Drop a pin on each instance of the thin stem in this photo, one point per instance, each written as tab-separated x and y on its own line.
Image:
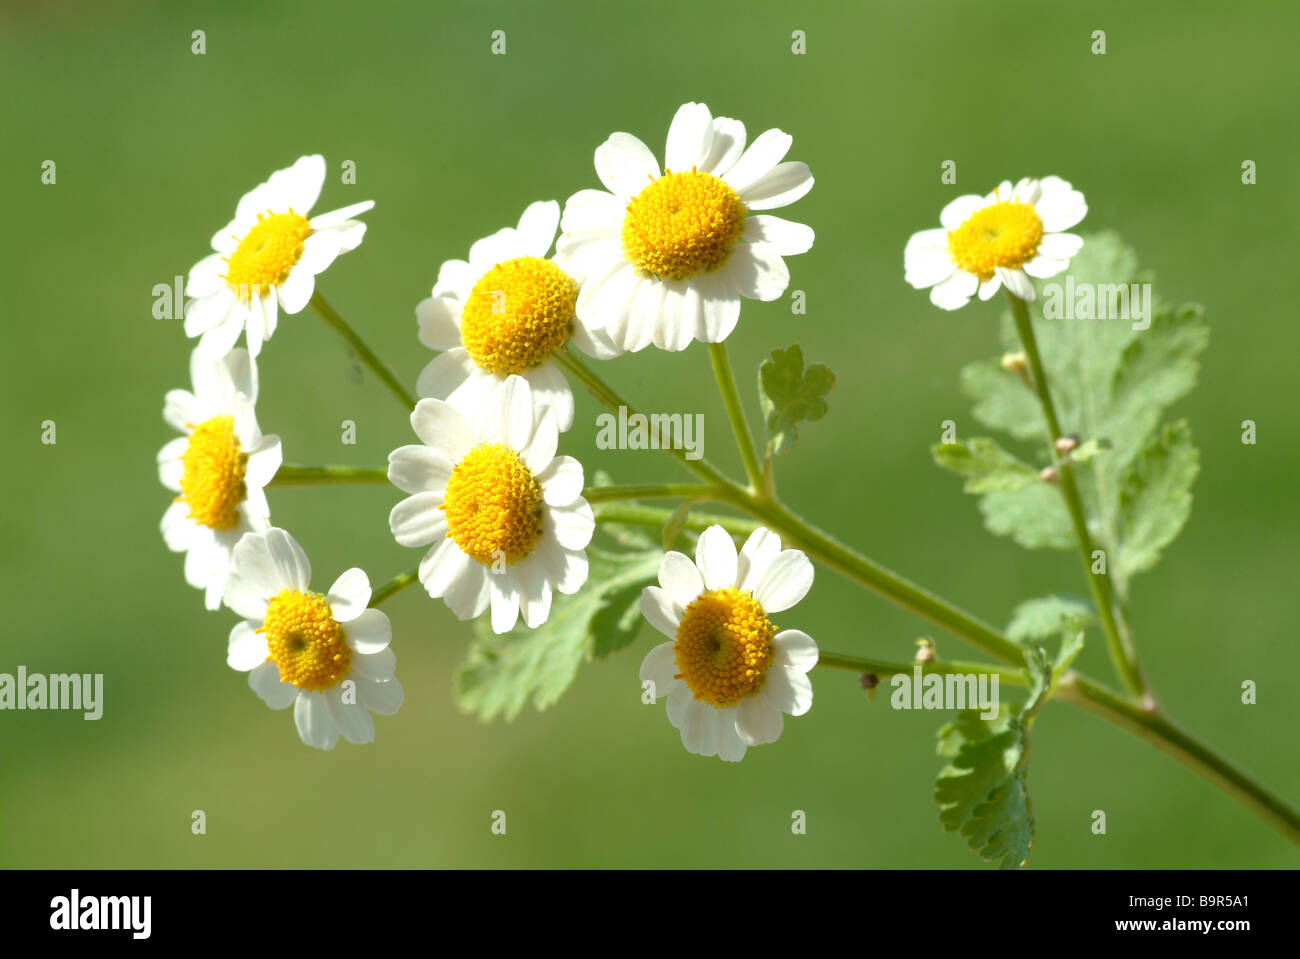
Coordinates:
1162	732
363	352
293	475
657	516
1122	652
603	392
394	585
607	494
883	669
736	414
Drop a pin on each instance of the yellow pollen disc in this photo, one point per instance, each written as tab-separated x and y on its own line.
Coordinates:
267	253
518	313
493	505
1005	234
305	641
212	473
724	646
682	224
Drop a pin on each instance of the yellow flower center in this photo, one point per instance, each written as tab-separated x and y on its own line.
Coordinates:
1005	234
212	473
724	646
518	313
682	224
493	505
267	253
305	641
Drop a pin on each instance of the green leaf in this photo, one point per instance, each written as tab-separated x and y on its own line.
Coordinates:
789	394
983	791
986	466
1039	619
1071	646
1155	500
1111	384
502	673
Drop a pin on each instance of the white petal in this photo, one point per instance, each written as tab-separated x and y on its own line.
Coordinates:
468	596
505	601
456	278
758	722
1060	246
383	698
660	611
219	340
264	462
445	374
561	481
728	145
551	390
794	649
690	138
538	450
315	722
439	321
353	719
443	566
574	525
417	520
715	556
625	165
680	578
659	667
954	292
1017	282
441	425
336	218
349	595
763	156
419	469
265	681
591	210
926	260
785	184
298	187
1043	267
566	568
788	689
246	648
785	236
378	667
960	210
297	288
990	287
537	226
786	581
731	747
755	557
272	561
1061	206
368	632
759	271
534	592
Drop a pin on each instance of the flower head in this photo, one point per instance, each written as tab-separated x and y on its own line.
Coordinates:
504	313
665	255
504	514
728	673
267	258
1002	239
327	654
219	468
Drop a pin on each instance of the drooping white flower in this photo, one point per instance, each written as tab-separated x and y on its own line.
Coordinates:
503	313
1002	239
664	257
728	675
504	514
327	655
267	258
220	468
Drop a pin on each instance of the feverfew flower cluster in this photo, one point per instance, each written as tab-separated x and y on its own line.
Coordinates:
662	256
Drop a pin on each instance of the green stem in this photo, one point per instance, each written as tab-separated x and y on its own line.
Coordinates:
884	670
293	475
363	352
394	585
658	516
601	390
1162	732
1122	652
736	414
608	494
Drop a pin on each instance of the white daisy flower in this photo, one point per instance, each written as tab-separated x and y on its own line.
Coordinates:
505	515
220	468
988	242
664	257
504	313
327	655
728	675
268	254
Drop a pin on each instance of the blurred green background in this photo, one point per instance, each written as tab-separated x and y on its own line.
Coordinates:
154	146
